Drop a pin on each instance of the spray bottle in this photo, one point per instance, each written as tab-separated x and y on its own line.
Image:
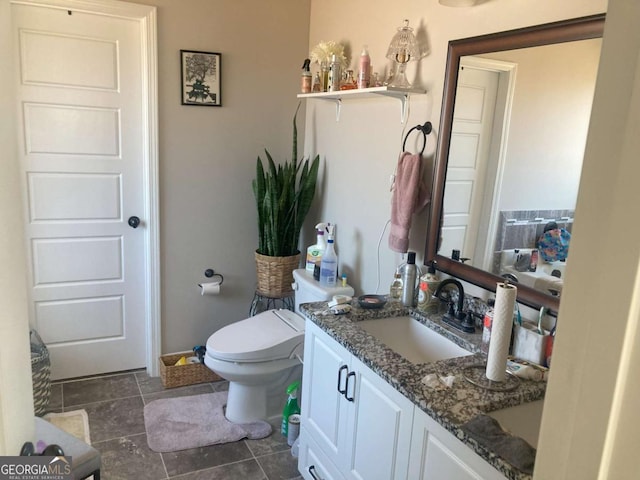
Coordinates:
291	407
314	252
329	262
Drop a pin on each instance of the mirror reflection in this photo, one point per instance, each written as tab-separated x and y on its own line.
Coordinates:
509	168
517	141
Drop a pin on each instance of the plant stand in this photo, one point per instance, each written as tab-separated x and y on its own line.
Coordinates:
261	303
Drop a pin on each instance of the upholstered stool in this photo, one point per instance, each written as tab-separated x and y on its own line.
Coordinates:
85	460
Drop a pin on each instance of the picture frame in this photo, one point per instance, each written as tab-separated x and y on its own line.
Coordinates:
200	74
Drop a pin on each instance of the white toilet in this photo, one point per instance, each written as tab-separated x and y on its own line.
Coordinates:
261	355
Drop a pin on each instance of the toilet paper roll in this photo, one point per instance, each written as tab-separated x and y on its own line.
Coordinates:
211	288
501	332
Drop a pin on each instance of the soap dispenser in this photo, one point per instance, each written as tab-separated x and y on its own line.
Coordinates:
427	287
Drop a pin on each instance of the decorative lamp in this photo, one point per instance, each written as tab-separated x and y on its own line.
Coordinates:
402	49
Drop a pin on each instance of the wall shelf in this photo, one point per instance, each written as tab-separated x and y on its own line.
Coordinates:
402	94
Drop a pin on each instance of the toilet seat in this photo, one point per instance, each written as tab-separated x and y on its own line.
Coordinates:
270	335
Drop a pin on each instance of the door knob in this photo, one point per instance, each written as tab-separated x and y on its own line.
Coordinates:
134	222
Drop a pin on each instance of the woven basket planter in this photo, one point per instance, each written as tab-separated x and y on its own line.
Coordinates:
275	275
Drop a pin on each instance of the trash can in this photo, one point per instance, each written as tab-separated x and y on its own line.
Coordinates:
41	374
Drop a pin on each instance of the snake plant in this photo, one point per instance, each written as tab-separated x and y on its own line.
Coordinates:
283	196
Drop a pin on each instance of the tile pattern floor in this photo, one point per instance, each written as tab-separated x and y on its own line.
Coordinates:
114	404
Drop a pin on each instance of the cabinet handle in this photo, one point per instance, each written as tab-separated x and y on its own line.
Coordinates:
312	469
346	395
340	370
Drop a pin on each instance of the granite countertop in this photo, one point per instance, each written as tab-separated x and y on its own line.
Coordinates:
450	407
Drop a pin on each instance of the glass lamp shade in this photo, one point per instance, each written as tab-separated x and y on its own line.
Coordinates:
402	49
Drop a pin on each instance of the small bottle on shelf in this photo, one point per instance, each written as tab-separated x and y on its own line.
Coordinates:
364	68
349	82
334	75
317	83
306	83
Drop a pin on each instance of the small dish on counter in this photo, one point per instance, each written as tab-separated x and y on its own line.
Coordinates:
372	301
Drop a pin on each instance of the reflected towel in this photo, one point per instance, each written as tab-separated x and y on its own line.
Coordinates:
546	283
409	195
488	432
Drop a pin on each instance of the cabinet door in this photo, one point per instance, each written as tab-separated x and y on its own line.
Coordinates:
436	454
324	408
312	463
379	433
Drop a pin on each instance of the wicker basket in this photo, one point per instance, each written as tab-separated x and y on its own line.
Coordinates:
181	375
275	275
41	374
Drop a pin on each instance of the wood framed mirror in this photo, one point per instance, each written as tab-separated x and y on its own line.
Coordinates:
482	240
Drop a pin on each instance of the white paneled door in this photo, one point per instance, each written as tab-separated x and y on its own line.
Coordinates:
468	159
81	111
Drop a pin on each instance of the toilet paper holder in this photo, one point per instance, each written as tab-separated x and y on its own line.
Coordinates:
210	273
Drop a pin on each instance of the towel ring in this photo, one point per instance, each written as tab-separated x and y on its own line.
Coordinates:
425	129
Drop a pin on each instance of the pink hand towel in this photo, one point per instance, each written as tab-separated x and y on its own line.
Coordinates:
409	195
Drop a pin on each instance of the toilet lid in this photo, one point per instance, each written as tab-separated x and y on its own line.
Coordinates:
270	335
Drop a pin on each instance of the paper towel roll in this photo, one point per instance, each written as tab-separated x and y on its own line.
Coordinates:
501	332
211	288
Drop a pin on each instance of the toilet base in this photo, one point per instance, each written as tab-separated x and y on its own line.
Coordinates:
250	403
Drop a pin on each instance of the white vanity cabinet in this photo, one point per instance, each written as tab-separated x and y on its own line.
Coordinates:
437	454
354	424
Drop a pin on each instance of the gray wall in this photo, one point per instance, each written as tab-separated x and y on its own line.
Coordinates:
208	154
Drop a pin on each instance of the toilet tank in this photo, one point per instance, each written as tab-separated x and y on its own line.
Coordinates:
307	289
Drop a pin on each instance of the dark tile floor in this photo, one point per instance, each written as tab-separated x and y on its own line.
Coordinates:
114	404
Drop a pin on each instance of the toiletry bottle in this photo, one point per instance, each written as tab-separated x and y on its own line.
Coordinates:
487	323
315	251
349	82
364	68
427	288
395	290
409	272
334	74
290	407
306	82
533	265
317	83
329	263
324	76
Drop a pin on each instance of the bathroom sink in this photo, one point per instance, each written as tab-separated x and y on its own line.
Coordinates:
522	420
413	340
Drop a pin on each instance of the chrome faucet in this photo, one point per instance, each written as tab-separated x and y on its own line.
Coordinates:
455	317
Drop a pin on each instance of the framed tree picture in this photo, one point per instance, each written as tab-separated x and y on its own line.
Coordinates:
200	78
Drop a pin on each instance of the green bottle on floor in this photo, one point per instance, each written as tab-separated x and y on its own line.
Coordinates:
290	407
